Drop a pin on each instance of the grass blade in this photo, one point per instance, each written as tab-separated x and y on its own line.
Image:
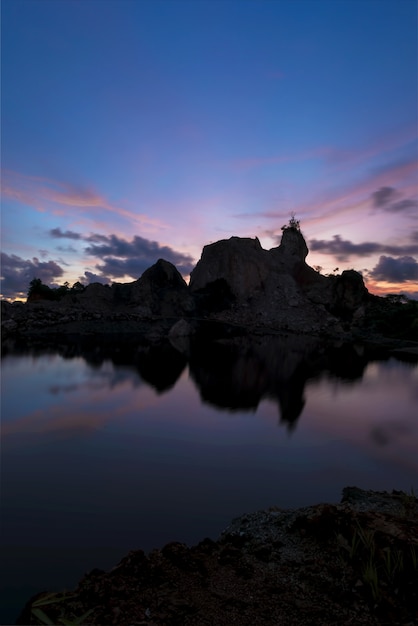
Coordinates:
42	616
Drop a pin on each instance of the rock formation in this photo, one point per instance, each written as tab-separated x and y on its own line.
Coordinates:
161	290
235	282
277	287
242	263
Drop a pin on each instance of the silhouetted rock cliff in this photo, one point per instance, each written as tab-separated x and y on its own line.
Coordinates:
276	287
236	283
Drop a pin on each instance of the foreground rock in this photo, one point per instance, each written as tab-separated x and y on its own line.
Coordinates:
350	563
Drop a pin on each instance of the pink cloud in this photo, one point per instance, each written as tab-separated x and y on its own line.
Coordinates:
340	158
40	192
355	196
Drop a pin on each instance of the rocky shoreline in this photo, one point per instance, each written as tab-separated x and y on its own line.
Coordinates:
355	562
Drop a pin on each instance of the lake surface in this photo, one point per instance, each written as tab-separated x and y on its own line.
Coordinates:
112	447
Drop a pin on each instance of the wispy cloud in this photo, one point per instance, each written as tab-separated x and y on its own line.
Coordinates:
350	157
358	197
45	194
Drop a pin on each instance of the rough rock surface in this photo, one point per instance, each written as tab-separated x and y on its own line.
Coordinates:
241	262
348	563
161	290
235	282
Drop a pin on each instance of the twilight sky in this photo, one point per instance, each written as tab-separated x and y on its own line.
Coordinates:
134	130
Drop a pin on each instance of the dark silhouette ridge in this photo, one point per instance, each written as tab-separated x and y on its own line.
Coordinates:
235	284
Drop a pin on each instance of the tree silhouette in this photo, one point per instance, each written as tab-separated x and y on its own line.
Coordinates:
38	291
293	223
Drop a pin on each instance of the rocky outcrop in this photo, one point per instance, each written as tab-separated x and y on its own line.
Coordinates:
292	250
235	281
241	263
349	295
160	291
349	563
277	287
246	267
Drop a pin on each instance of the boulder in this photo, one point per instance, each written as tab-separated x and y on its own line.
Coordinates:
349	295
162	291
241	262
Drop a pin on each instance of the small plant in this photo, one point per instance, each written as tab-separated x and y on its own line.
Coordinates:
371	578
388	568
367	538
55	598
355	545
293	223
393	563
76	621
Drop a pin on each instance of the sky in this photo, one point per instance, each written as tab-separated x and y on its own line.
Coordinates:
133	130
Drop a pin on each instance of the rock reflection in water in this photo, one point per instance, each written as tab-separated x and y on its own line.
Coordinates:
232	374
239	373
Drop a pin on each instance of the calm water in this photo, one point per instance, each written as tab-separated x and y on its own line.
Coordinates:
106	448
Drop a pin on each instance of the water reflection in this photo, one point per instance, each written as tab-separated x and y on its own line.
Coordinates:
113	445
233	375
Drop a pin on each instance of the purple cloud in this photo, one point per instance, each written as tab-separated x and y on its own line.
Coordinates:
393	270
132	258
17	273
57	233
385	197
342	249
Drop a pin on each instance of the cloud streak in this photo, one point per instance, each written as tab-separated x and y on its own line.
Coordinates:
359	195
343	249
47	194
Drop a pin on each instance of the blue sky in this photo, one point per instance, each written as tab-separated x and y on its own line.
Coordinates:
139	129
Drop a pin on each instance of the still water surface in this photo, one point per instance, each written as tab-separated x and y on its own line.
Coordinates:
104	451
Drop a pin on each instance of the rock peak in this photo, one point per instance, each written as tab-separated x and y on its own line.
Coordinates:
293	245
